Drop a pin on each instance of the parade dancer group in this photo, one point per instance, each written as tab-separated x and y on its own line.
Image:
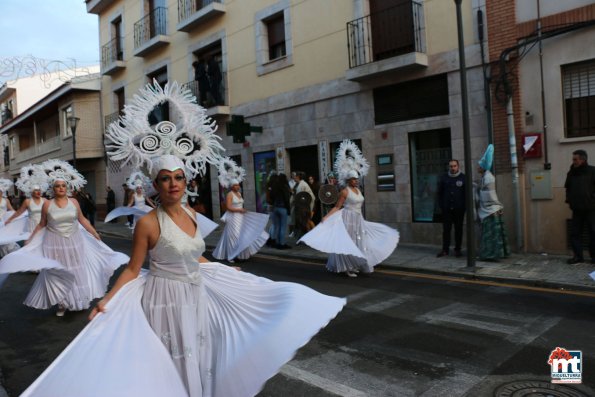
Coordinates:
185	326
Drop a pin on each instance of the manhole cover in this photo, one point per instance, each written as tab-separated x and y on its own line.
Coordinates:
536	388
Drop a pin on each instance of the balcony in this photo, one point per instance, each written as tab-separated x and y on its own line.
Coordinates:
40	149
150	32
216	105
110	118
97	6
192	13
387	41
112	57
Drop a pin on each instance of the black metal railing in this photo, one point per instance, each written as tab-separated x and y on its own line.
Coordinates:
208	97
386	34
151	25
188	7
110	118
112	52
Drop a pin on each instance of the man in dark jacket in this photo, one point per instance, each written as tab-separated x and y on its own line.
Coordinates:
580	196
451	198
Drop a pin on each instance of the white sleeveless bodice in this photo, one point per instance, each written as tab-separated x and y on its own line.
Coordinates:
237	202
139	201
62	221
3	207
175	256
35	211
354	201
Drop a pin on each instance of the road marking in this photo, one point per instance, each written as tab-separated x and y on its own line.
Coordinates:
320	382
385	305
450	278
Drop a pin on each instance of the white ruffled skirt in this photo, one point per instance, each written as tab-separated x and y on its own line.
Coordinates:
74	270
159	337
243	236
353	243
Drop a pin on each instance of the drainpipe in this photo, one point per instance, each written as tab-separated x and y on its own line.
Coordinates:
486	82
546	163
515	174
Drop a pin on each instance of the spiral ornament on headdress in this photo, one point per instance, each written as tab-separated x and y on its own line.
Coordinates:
350	158
61	170
31	177
5	184
138	179
132	140
229	172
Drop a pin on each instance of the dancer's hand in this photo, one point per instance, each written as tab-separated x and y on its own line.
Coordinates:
99	308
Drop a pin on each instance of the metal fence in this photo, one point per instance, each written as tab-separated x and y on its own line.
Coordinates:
112	52
188	7
151	25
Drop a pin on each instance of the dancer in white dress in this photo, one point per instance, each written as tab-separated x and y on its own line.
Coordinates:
244	232
18	227
355	245
75	266
188	327
6	212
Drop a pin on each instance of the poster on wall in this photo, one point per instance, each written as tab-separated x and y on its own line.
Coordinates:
280	159
264	164
323	159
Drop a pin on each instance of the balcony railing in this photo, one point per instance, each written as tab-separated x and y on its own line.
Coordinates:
396	31
39	149
151	25
208	97
112	56
110	118
187	8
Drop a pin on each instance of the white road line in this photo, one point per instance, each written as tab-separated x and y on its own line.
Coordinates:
320	382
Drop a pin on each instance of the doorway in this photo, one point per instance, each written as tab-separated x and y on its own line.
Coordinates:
305	159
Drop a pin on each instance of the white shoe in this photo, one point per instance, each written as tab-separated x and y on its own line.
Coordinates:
351	274
127	224
60	312
231	261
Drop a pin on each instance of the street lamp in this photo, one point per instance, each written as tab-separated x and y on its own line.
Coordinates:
72	123
466	140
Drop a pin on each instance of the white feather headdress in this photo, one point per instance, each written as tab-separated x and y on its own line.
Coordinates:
32	176
229	172
350	158
138	179
191	138
5	184
60	169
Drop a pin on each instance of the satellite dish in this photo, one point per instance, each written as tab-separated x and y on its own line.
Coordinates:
328	194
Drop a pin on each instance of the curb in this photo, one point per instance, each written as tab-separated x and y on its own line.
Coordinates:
466	274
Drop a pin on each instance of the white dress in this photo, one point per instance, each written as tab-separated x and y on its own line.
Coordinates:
188	329
244	234
75	267
4	215
20	228
354	244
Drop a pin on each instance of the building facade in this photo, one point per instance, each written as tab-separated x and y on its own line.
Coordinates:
543	72
383	73
42	132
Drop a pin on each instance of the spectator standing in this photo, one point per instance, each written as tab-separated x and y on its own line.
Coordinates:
110	201
200	75
215	78
280	198
127	195
315	187
580	196
451	198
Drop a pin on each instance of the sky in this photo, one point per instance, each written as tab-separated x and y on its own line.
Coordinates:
47	29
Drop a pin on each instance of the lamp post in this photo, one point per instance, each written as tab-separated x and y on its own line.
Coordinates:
466	141
72	123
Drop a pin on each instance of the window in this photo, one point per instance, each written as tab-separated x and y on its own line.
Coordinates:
429	152
12	144
273	38
276	36
66	113
410	100
117	39
161	111
578	81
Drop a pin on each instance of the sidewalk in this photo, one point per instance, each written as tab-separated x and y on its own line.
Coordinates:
543	270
